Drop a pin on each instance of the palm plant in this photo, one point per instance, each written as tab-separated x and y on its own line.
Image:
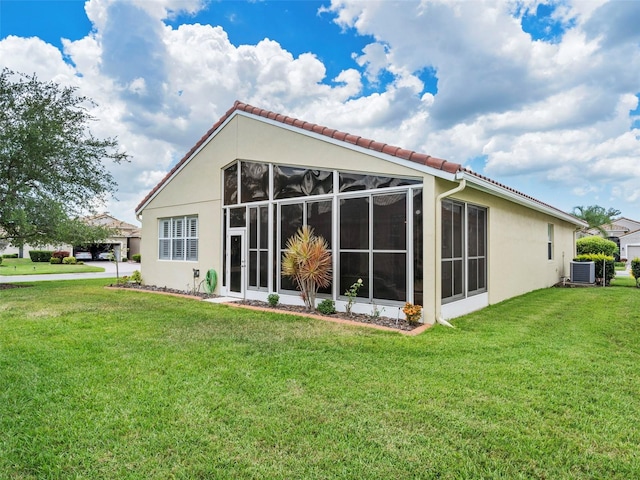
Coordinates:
308	262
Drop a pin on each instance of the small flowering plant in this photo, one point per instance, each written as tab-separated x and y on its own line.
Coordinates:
412	312
352	293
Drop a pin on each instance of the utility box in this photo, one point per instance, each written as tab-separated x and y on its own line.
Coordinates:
583	272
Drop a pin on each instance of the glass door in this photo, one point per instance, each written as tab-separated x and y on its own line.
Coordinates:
236	263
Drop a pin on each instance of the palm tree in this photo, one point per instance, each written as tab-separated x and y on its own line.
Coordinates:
596	216
308	262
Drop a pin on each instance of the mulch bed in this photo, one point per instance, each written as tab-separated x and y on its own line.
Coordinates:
8	286
380	321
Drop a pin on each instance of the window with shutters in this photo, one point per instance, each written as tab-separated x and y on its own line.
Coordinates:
178	238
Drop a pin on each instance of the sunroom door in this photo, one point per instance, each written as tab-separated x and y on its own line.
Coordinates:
236	263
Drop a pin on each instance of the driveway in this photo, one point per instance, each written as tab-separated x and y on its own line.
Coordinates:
125	269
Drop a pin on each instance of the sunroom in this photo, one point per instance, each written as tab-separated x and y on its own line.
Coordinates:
372	224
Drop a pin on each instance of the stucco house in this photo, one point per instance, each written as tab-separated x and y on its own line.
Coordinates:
625	232
413	227
124	240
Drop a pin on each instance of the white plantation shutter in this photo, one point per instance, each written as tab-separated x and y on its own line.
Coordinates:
164	240
178	238
192	238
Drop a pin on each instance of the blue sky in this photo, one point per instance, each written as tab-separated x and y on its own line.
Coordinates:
540	96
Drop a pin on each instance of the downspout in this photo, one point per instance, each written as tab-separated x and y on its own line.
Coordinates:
438	250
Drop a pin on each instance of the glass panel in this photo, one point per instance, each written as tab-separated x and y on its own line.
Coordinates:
165	249
235	263
390	222
178	227
417	249
253	268
319	218
482	274
254	181
472	231
457	277
354	265
253	227
482	229
354	223
287	283
390	276
472	274
264	227
290	222
447	280
178	249
447	229
231	185
350	182
290	182
237	217
192	249
264	269
457	230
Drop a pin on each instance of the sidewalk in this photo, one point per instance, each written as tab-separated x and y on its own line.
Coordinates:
124	268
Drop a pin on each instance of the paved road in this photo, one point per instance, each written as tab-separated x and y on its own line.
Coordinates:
109	272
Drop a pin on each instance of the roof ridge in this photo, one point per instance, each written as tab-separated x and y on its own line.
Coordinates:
410	155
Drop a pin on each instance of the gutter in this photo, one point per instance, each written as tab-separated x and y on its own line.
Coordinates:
438	249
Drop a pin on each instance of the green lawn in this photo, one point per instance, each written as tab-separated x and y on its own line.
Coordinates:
103	384
24	266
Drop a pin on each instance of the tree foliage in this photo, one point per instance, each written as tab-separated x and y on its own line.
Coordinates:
52	169
596	216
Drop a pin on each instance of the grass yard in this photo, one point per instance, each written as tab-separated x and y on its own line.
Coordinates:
103	384
24	266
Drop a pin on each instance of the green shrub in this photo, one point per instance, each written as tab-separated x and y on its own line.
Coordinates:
595	245
55	260
136	257
635	270
0	260
136	277
10	255
69	260
40	255
599	259
273	299
327	307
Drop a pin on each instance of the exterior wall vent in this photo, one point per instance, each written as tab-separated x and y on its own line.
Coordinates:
583	272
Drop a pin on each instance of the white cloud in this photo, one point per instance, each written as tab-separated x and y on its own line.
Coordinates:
554	112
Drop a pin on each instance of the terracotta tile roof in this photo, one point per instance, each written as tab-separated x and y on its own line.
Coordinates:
410	155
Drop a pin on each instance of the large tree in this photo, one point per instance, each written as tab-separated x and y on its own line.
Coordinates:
596	216
52	169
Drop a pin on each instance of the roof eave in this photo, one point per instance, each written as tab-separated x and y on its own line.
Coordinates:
479	183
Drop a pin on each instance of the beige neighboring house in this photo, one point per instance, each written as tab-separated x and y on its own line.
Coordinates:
413	227
125	239
124	242
626	233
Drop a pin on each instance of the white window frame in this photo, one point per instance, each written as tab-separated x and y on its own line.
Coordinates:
178	238
550	234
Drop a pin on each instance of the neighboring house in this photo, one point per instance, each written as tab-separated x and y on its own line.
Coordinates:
625	232
415	228
126	238
124	242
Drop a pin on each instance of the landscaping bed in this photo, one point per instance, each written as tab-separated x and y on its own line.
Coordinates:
395	323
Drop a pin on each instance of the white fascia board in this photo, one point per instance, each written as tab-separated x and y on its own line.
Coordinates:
366	151
498	191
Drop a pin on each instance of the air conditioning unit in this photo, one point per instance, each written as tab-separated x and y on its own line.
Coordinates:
583	272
